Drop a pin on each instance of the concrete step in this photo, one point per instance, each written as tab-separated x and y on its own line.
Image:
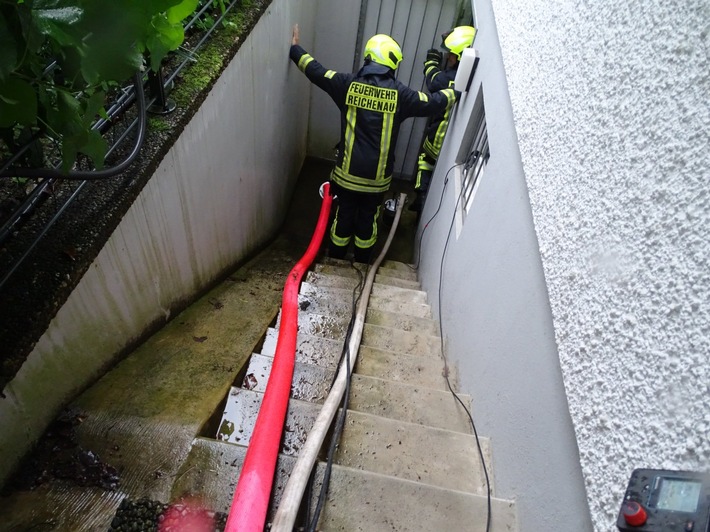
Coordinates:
351	281
365	500
396	340
404	342
402	322
387	268
409	451
309	349
410	403
409	295
424	370
343	297
242	408
310	382
389	277
357	500
336	325
210	473
396	265
351	270
395	320
404	402
408	369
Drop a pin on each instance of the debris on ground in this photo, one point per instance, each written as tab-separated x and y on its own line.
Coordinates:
152	516
58	456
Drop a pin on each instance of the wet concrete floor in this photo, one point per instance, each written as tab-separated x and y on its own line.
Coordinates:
140	419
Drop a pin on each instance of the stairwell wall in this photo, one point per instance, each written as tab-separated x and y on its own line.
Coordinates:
574	294
496	319
219	194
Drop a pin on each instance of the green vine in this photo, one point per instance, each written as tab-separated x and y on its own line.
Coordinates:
58	59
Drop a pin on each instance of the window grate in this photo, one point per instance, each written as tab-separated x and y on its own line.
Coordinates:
474	156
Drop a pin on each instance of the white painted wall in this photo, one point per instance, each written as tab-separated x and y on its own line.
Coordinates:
331	41
587	250
220	192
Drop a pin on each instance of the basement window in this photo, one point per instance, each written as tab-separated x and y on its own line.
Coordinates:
473	155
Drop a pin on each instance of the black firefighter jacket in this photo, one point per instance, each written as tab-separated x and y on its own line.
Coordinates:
437	79
372	106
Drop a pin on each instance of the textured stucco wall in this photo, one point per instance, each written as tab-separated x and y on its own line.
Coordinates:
612	109
484	279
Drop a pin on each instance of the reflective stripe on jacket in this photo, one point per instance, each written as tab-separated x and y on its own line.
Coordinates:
436	80
372	106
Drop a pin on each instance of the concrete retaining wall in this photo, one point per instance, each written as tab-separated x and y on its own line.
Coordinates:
220	193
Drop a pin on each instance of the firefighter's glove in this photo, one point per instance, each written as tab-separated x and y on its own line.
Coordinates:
433	56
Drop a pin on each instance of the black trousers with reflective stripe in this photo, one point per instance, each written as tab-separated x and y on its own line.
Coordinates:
355	218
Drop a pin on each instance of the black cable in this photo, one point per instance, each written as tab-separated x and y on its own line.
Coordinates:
340	421
467	164
446	369
438	208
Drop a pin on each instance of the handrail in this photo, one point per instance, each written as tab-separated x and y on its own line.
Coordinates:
251	496
285	517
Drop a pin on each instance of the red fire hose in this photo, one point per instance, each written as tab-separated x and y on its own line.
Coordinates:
251	497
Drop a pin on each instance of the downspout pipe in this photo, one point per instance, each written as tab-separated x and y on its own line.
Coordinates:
253	491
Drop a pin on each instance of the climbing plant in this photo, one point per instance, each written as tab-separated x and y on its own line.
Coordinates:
58	59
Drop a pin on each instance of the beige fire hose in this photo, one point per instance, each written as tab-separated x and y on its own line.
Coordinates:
287	512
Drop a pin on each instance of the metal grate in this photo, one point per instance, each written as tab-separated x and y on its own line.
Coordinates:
475	157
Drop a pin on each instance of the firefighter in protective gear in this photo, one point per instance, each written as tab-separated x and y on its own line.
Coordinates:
372	106
439	77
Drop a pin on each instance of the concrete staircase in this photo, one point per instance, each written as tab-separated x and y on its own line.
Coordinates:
407	459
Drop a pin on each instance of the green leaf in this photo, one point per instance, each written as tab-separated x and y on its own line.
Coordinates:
108	63
159	6
95	147
68	120
8	49
55	20
92	107
63	15
170	34
68	103
18	103
28	34
70	149
158	51
181	11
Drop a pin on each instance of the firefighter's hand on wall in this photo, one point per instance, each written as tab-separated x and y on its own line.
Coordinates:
295	35
433	55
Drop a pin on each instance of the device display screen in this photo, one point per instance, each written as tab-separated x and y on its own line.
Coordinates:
678	495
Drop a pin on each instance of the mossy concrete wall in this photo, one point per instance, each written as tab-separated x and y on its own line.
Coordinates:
218	195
